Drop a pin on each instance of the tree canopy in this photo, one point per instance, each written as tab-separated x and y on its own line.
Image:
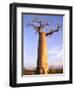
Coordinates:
39	24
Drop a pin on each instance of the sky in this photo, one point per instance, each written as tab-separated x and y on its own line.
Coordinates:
54	42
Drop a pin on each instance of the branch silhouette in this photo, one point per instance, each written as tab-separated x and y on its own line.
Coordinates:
39	25
52	31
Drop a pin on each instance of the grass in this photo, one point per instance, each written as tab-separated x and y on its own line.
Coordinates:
51	71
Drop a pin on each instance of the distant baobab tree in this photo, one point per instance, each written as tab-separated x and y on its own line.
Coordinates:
42	59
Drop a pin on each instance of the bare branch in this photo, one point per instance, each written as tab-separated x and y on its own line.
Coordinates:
45	25
42	23
35	27
39	25
36	20
52	31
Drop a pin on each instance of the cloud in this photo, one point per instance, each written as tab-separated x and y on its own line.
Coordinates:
60	53
56	52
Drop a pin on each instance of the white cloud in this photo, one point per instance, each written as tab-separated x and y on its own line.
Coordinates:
57	52
60	53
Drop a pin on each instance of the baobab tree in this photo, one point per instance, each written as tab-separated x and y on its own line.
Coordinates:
42	59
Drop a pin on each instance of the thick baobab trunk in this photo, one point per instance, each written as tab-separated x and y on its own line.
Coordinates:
42	61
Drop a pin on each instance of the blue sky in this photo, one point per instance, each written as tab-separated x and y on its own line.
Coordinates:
54	42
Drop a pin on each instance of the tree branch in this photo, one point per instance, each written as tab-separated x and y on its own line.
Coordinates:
35	27
51	32
45	25
36	20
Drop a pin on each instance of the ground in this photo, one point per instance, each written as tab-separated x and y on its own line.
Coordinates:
33	72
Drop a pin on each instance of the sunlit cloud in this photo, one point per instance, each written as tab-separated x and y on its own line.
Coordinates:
56	55
60	53
56	52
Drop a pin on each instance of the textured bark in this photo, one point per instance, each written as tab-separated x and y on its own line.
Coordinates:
42	61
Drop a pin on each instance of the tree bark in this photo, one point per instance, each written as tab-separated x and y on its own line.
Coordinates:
42	61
